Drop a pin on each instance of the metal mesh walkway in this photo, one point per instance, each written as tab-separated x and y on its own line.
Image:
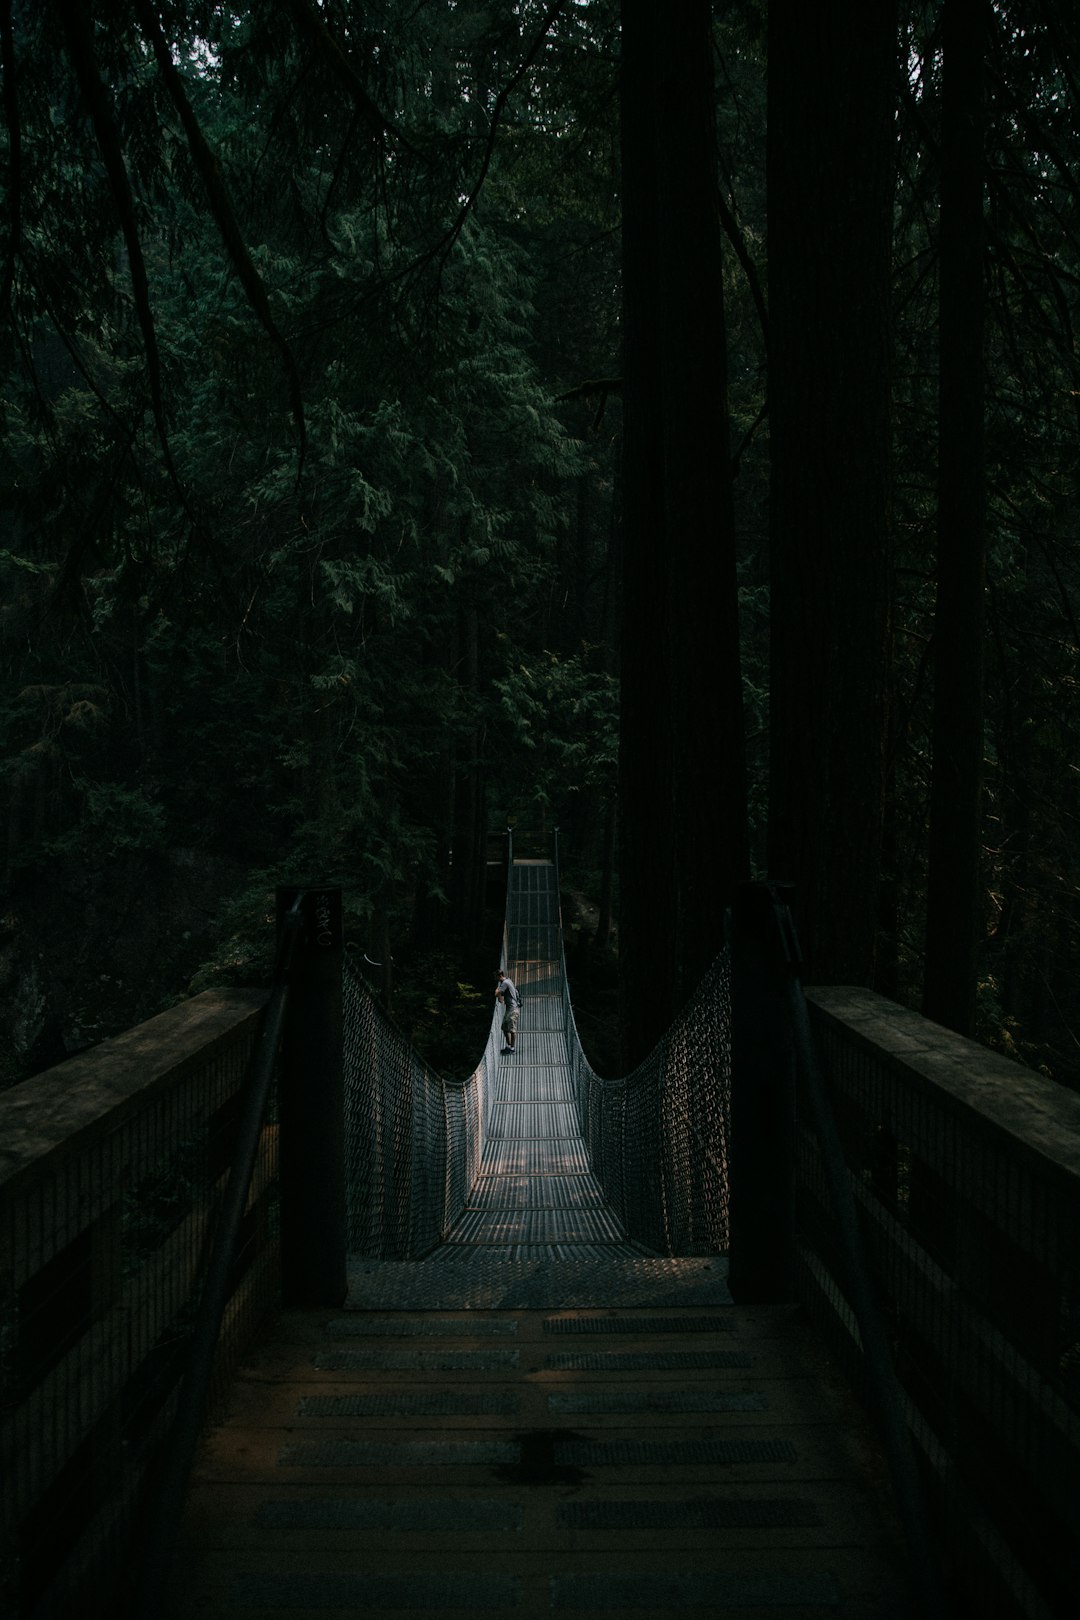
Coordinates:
536	1197
535	1175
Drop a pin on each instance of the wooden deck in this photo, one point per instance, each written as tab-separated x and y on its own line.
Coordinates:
621	1462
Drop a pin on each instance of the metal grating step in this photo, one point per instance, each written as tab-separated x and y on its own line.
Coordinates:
540	979
670	1453
533	942
704	1513
416	1360
617	1403
538	1157
532	1255
525	1121
716	1593
530	1083
409	1515
477	1404
359	1593
638	1325
536	1192
454	1278
632	1361
399	1454
424	1327
542	1013
537	1226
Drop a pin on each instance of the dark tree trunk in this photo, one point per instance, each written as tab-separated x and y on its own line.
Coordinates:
954	918
646	771
830	184
602	937
711	835
682	835
467	869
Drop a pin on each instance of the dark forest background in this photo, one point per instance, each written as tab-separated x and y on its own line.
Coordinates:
658	423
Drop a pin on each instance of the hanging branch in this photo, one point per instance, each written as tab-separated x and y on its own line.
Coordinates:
501	99
14	129
441	248
78	32
742	253
221	209
312	28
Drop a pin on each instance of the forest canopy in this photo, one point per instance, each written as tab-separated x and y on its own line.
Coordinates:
332	375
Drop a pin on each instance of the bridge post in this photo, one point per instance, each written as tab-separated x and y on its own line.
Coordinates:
762	1220
311	1106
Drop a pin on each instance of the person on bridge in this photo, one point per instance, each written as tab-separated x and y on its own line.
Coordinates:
506	992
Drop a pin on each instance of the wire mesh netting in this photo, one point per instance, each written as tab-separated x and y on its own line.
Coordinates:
413	1137
658	1140
535	1156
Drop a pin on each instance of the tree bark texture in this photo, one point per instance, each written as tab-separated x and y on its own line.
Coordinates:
954	900
830	165
682	838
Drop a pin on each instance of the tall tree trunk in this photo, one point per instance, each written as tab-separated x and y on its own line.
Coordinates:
711	833
954	891
830	186
682	839
646	767
466	873
602	937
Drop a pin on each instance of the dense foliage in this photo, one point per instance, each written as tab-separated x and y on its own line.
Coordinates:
309	486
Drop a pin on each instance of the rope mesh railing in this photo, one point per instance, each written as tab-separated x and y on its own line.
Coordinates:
658	1140
413	1137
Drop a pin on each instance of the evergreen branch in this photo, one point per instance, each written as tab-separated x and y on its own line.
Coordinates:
339	167
497	110
14	129
450	236
78	33
65	338
312	27
748	437
742	253
1065	49
1025	526
222	211
1040	140
598	385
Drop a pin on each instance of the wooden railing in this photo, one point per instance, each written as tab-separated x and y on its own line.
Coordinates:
112	1167
966	1169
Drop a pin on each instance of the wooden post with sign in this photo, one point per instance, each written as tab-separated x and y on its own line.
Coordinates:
311	1106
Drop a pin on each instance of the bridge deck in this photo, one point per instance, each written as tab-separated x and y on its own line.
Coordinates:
541	1416
624	1462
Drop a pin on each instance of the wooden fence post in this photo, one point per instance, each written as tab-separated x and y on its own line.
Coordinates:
311	1106
762	1101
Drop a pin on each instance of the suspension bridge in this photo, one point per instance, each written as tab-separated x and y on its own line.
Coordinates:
536	1340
